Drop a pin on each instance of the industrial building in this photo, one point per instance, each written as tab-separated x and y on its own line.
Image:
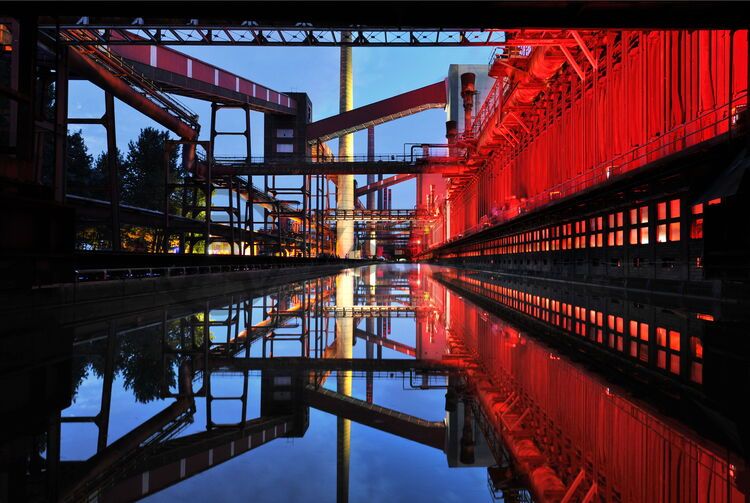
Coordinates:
569	273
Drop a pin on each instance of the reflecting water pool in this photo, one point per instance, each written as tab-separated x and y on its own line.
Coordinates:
384	383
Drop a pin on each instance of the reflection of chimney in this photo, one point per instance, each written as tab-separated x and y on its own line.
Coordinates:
467	93
344	343
451	132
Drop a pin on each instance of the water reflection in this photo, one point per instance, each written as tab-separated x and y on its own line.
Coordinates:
417	371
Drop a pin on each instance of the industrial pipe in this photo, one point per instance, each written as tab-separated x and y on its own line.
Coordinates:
468	90
451	133
108	82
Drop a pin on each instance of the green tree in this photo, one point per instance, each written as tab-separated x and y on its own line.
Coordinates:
143	169
83	178
101	165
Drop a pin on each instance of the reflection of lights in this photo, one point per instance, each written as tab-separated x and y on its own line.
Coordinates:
553	357
706	317
608	392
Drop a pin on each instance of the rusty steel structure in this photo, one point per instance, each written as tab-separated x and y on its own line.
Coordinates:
580	239
572	112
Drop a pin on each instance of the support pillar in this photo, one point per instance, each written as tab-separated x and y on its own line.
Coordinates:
61	122
113	169
345	186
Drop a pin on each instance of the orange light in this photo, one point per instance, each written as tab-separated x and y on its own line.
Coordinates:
706	317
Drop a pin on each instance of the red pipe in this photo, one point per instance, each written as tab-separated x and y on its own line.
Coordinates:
105	80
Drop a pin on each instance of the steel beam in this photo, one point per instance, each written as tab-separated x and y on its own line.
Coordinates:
331	168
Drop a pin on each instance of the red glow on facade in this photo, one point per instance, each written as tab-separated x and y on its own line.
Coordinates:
585	118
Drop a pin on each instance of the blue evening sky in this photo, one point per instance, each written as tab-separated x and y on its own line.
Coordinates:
378	73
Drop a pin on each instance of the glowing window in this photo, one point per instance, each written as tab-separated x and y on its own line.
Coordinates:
674	208
674	231
644	235
696	372
661	211
674	340
661	233
661	336
696	347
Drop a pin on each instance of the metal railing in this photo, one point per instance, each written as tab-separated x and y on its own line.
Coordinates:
500	89
394	157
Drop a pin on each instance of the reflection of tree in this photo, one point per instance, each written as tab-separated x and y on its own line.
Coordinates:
138	357
84	366
140	363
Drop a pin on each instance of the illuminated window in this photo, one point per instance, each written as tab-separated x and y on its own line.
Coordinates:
596	239
668	227
696	224
580	234
639	227
696	348
668	354
696	372
674	340
615	234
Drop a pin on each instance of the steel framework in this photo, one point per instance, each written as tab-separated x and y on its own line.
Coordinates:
563	118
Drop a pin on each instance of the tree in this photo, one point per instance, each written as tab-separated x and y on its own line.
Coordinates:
143	169
82	178
101	164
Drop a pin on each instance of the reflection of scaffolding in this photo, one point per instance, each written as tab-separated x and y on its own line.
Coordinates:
374	311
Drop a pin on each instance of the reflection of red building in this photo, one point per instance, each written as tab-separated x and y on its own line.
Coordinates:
561	423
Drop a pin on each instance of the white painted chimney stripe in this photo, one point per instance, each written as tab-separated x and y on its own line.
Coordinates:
152	55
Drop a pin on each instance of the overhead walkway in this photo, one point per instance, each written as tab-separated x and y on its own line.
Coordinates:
352	165
185	75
